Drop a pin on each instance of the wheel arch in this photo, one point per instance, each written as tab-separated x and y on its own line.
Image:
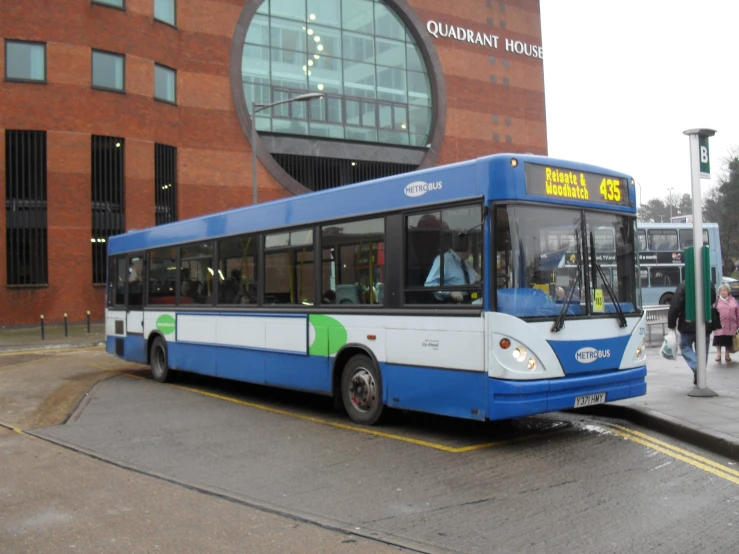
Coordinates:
340	360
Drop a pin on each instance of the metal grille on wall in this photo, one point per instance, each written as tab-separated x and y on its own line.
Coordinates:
108	213
165	183
25	207
325	173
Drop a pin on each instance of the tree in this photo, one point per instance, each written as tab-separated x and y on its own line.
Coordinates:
654	210
657	210
721	205
685	207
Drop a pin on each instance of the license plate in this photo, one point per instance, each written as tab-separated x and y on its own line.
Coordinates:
590	399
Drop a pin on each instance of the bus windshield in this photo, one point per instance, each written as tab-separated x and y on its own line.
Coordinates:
545	256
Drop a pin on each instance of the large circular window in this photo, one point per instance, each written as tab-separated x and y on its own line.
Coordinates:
357	52
383	105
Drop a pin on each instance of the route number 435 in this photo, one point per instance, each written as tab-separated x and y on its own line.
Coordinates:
610	189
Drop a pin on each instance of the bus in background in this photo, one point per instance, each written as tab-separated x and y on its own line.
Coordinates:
661	257
494	288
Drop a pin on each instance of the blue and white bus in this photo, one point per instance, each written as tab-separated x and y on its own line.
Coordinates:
473	290
661	257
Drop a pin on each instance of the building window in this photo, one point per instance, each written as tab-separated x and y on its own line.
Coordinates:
165	83
108	213
112	3
324	173
25	207
165	184
358	53
165	11
108	71
25	61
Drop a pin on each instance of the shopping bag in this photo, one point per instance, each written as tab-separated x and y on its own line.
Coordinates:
735	344
669	345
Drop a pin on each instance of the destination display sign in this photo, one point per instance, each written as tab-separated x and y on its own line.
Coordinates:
557	182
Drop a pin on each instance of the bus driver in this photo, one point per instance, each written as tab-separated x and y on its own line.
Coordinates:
457	270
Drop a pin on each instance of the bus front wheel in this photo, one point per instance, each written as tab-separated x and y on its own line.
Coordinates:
159	360
361	390
666	299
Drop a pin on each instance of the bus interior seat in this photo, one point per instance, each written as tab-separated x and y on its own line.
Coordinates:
348	294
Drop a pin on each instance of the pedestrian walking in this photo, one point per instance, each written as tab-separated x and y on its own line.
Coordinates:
729	311
676	318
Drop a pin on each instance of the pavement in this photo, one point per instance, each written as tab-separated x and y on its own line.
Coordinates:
17	339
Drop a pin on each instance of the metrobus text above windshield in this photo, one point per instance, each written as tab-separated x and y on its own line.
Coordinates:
555	182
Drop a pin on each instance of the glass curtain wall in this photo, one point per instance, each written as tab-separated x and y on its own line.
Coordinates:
357	52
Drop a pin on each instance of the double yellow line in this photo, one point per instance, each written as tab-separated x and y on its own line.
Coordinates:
700	462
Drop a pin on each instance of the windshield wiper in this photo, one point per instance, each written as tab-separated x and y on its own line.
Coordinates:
560	322
597	269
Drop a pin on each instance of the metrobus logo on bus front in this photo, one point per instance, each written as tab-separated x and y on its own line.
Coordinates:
419	188
589	354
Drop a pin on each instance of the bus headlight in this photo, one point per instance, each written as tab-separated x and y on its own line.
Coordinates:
519	353
532	364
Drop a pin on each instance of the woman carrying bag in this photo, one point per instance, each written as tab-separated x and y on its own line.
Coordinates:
729	311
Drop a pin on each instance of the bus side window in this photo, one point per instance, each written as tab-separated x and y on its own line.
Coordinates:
353	264
444	256
642	235
237	270
288	268
196	274
664	276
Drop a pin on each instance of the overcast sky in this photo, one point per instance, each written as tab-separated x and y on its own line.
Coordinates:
625	78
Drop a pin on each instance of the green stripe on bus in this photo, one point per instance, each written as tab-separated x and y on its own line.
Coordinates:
330	335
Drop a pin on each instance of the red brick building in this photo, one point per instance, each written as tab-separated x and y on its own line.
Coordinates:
123	114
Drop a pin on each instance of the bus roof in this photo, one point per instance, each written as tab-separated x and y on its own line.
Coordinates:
488	177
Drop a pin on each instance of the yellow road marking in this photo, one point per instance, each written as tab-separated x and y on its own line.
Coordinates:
365	430
11	428
674	451
344	426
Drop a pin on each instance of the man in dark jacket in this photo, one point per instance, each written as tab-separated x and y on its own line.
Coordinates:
676	318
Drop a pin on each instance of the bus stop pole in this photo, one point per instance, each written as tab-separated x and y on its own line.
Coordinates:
701	388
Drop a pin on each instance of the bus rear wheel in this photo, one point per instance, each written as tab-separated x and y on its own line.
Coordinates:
159	360
361	390
666	299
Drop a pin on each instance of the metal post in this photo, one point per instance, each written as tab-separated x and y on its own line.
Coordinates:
88	321
700	310
43	335
253	153
66	330
257	107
